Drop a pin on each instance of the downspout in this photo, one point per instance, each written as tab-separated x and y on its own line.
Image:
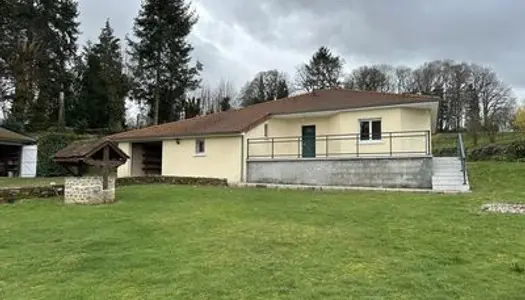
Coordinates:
242	157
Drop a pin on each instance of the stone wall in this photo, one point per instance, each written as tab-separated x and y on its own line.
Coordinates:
385	172
10	195
88	190
124	181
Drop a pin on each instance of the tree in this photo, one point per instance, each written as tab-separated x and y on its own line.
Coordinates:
225	104
38	45
265	86
368	79
519	119
404	80
160	58
221	96
324	70
496	99
473	115
101	96
192	108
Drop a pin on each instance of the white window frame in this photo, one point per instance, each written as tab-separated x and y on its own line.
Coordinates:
370	140
197	150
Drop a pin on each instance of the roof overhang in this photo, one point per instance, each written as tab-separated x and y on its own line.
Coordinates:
175	137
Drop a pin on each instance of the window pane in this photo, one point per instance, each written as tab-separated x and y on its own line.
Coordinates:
199	146
376	130
365	130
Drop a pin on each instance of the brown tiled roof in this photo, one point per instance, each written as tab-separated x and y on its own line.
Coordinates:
79	150
13	137
241	120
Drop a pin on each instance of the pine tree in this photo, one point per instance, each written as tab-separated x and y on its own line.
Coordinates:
39	45
225	104
56	29
102	86
282	89
324	70
160	57
116	82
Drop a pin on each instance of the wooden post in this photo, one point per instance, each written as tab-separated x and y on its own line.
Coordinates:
105	168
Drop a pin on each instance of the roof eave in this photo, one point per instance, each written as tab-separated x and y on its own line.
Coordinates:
172	137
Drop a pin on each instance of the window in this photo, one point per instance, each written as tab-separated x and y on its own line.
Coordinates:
265	130
370	130
199	146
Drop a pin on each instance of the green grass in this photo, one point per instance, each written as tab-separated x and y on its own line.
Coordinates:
22	182
164	242
448	140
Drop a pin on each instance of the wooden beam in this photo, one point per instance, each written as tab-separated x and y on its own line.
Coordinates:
105	168
98	163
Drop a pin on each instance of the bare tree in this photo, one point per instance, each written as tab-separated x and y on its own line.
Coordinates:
265	86
373	78
404	80
456	81
496	99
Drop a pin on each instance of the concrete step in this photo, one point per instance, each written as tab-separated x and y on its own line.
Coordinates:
447	175
451	188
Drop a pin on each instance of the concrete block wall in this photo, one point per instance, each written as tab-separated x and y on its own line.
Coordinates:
88	190
387	172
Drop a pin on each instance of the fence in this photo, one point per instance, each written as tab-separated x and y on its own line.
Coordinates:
405	143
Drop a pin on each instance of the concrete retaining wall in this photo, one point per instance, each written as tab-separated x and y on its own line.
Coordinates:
391	172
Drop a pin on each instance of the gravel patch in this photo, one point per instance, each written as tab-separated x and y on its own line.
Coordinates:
504	208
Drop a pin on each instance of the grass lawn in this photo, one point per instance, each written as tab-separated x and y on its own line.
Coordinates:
164	242
448	140
22	182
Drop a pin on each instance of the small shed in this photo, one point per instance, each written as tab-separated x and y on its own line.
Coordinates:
93	165
18	154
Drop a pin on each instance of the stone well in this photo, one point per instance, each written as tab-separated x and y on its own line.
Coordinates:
88	190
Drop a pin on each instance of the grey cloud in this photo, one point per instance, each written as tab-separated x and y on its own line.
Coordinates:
386	31
488	32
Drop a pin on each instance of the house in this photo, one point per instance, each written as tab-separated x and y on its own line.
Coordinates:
18	154
326	137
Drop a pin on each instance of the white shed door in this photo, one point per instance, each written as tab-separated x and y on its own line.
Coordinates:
29	160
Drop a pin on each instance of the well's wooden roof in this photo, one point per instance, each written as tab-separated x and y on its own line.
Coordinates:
84	149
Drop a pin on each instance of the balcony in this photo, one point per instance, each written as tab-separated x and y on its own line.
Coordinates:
349	145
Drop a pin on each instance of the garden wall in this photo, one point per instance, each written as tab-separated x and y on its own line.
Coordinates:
20	193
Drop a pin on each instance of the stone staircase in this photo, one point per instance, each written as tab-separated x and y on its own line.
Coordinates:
447	175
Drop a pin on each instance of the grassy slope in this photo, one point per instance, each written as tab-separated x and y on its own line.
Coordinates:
448	140
162	242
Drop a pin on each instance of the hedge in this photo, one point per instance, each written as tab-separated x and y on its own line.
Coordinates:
48	145
514	151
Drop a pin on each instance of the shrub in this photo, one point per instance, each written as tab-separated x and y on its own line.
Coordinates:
48	145
516	149
488	152
445	151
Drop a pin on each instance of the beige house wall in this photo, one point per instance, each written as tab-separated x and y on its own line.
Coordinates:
222	158
346	124
226	156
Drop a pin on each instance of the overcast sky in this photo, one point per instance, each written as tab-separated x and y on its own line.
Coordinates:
235	39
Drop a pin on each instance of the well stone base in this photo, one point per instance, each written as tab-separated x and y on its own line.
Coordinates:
88	190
